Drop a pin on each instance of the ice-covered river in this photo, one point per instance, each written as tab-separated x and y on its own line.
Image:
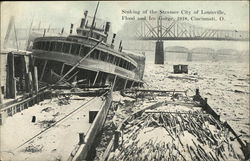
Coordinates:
225	84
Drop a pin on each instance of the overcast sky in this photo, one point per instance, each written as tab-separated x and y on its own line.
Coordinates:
62	13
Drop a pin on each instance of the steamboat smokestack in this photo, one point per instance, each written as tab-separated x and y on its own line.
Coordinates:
113	40
82	23
71	28
107	27
85	14
84	19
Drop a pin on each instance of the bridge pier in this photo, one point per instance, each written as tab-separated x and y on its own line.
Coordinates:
159	52
189	57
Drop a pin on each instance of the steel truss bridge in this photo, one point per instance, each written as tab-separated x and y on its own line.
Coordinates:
183	31
161	30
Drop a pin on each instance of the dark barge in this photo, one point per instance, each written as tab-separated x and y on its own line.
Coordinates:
176	128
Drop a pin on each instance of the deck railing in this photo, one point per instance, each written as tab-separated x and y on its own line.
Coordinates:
9	110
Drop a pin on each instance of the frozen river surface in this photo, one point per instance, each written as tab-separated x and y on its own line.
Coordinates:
226	85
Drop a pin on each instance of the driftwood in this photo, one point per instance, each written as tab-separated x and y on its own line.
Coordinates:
176	124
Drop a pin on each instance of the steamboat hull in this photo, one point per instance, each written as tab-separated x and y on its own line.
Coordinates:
102	67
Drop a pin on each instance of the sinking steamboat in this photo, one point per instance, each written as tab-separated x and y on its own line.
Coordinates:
87	59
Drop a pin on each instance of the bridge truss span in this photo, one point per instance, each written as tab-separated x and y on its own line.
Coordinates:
176	30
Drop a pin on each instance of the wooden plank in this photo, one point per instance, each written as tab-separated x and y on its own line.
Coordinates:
30	83
114	83
26	78
1	97
125	85
96	78
116	140
10	91
160	91
132	84
185	113
44	66
35	80
14	89
62	69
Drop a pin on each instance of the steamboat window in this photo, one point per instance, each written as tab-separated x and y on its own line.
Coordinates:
96	54
75	49
52	46
78	47
38	45
47	45
58	46
113	62
84	33
92	55
66	47
42	45
103	56
54	49
129	66
107	58
82	51
86	51
97	36
111	57
132	67
116	60
126	65
120	63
